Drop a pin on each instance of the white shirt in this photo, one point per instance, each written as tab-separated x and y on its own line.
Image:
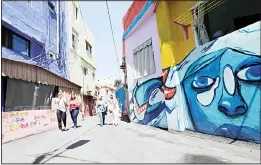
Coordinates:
61	104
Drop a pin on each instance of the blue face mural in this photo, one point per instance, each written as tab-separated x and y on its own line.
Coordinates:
148	101
223	94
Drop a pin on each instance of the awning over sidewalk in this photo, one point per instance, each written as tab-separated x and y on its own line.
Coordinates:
32	73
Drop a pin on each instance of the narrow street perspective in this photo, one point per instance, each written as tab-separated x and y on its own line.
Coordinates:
130	81
128	143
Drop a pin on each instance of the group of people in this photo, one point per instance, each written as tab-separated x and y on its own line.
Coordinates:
105	107
74	107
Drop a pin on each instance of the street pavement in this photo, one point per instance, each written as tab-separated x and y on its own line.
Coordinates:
125	143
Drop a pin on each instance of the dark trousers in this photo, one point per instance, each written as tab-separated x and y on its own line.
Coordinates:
74	114
61	117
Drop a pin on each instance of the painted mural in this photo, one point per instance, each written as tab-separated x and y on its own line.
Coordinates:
18	124
218	87
213	89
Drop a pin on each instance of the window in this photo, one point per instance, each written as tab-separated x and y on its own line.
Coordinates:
143	58
75	11
235	15
29	2
93	76
74	39
88	47
51	6
15	42
85	71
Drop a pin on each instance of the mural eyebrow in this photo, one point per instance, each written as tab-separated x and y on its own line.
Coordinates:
248	62
200	63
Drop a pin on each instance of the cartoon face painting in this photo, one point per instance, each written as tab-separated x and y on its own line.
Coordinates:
148	100
223	94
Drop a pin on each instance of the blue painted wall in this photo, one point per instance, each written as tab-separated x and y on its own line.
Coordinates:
215	90
35	22
120	96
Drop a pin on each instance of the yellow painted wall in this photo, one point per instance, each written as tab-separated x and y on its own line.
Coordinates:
173	43
165	34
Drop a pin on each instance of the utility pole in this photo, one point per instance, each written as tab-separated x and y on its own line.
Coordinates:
124	69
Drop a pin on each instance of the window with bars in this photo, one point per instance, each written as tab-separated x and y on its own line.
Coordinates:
15	42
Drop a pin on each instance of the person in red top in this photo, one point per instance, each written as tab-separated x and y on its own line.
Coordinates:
74	109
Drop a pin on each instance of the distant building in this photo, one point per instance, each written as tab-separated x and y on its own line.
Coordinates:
105	87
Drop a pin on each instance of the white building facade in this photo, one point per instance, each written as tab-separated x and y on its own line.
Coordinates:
82	63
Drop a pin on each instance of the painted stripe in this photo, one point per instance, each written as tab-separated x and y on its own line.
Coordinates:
136	20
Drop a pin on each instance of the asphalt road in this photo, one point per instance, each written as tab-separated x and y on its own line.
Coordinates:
126	143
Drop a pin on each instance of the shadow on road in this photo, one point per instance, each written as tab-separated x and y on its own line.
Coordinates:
77	144
190	158
40	158
86	161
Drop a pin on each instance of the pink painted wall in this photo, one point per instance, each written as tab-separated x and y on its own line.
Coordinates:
145	29
18	124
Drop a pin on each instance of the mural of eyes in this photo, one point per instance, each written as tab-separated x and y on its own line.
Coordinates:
251	73
202	82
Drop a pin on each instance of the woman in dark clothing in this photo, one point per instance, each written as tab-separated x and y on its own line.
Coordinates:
74	109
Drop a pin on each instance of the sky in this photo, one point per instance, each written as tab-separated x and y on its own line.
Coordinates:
96	16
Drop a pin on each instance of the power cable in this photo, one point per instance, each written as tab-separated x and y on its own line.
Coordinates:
113	39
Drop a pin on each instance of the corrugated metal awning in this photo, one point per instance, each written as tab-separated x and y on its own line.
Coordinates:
32	73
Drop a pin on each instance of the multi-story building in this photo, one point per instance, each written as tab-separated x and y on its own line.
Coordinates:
105	87
194	65
34	64
81	55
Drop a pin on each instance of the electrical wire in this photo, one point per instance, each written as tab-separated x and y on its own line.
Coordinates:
206	10
113	38
187	15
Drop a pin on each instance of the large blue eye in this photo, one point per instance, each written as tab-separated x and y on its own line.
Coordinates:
251	73
202	82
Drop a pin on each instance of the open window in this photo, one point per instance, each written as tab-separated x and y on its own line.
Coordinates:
217	18
88	47
143	58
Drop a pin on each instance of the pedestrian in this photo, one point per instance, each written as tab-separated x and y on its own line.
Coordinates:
61	111
101	109
74	105
113	110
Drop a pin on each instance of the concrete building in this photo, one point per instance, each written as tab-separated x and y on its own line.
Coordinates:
188	66
34	65
81	55
105	87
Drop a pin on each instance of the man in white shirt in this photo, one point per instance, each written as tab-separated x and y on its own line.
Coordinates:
112	106
61	111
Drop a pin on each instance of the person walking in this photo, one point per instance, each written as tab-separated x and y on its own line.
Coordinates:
61	111
101	109
113	110
74	109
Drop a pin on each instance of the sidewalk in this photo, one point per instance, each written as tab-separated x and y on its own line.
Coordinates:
47	142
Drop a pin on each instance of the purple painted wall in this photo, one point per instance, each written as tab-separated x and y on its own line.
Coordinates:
34	21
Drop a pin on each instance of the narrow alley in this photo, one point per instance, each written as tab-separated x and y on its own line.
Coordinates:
129	143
